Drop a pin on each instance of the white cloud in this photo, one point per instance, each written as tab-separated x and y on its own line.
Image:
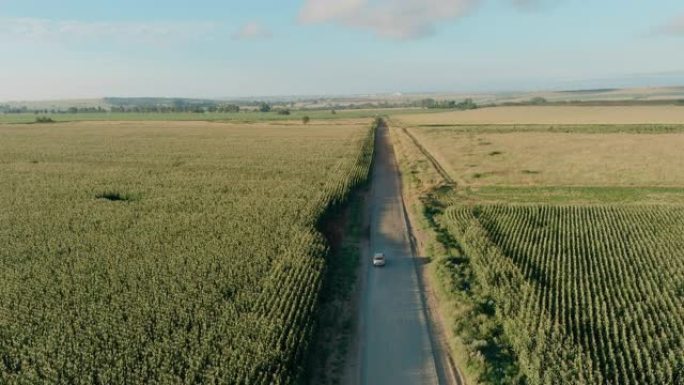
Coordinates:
251	31
72	31
533	5
397	19
674	27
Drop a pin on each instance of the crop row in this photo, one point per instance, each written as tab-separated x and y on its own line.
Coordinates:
211	275
586	294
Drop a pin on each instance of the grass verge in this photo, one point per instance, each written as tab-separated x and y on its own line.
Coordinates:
474	336
345	228
336	319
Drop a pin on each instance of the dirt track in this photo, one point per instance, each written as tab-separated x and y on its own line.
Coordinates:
395	345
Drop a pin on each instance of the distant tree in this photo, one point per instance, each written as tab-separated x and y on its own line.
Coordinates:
264	107
73	110
538	100
283	111
231	108
428	103
467	104
178	104
333	112
306	119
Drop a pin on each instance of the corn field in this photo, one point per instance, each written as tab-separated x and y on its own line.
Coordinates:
586	294
166	253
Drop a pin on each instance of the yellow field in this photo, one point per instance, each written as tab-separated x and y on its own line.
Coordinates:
557	159
550	115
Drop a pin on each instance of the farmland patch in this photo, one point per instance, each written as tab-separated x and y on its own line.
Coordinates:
213	277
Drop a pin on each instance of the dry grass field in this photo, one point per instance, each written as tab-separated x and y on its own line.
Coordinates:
551	115
557	159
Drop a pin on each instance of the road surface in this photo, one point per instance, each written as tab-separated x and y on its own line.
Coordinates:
395	345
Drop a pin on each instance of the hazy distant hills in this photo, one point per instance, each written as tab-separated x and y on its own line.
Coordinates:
582	95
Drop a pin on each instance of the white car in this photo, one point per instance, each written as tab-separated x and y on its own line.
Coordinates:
379	259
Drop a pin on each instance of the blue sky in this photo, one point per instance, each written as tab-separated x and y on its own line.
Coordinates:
212	48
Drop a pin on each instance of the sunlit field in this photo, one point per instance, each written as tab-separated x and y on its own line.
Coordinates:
166	252
557	244
553	115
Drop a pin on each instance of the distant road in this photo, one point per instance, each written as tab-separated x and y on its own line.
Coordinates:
395	344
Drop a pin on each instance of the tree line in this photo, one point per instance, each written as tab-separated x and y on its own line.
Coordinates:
467	104
6	109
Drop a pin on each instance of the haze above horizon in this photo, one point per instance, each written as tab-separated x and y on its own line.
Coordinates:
214	49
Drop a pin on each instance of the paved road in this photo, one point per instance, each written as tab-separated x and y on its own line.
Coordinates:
395	345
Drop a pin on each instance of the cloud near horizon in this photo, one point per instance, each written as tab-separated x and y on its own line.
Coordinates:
674	27
252	31
73	31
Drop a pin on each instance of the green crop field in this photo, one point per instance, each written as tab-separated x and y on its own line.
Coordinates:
166	253
586	295
558	248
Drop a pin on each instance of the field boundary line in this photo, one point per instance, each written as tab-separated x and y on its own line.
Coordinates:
445	175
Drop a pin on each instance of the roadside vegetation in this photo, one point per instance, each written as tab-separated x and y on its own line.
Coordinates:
336	318
554	250
346	229
172	253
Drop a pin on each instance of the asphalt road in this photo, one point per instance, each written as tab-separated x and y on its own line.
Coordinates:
395	347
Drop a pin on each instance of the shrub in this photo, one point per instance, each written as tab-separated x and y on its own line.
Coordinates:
264	107
117	196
